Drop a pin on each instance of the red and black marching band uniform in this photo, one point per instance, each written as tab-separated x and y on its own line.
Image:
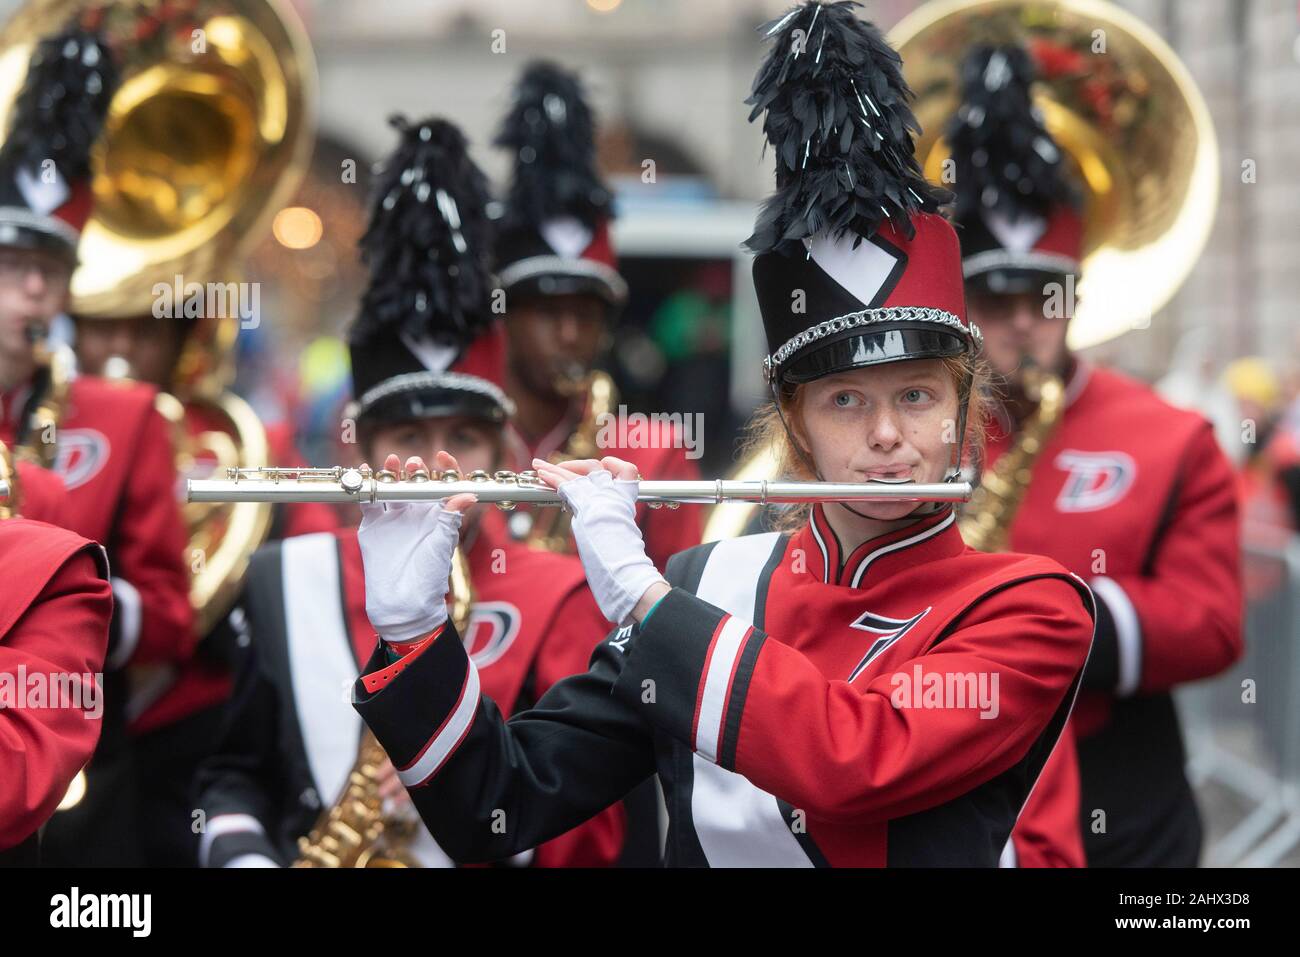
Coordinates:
112	447
54	614
1129	492
1136	496
801	706
763	696
554	240
290	737
114	455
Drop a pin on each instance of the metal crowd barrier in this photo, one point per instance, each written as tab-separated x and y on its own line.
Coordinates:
1243	727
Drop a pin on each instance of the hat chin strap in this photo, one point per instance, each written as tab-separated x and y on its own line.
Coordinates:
954	458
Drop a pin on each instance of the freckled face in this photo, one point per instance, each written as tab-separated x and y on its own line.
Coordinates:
891	422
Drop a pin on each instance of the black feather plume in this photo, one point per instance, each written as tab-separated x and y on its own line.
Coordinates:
60	110
428	242
550	131
1004	158
838	117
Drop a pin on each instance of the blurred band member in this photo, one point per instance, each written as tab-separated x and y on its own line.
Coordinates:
428	363
1129	492
175	725
562	297
106	440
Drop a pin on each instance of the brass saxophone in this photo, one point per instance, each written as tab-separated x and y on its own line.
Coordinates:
357	830
985	521
551	528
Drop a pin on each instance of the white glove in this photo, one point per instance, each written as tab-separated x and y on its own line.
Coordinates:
609	541
406	548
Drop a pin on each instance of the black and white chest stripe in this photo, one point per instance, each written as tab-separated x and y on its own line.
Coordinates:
736	823
322	669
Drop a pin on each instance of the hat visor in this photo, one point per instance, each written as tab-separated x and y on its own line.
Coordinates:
51	241
425	402
1014	280
568	284
857	349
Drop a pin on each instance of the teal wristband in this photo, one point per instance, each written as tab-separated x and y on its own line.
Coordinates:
652	609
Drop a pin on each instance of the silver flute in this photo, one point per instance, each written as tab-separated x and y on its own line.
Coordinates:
507	489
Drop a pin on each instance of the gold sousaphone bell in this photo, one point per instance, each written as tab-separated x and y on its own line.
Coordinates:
207	137
1124	110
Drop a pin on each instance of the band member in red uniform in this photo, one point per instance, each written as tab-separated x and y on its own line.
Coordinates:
428	363
54	614
177	718
807	698
1128	492
563	293
106	440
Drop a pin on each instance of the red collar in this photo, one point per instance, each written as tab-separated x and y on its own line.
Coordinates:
927	539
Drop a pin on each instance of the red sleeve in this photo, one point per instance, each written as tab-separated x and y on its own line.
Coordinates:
62	635
839	750
578	628
151	580
1047	833
1180	620
669	531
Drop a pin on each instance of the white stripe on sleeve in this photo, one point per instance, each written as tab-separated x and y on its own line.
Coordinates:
448	736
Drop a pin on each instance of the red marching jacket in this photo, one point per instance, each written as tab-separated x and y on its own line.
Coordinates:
55	606
290	730
801	707
1135	496
114	454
